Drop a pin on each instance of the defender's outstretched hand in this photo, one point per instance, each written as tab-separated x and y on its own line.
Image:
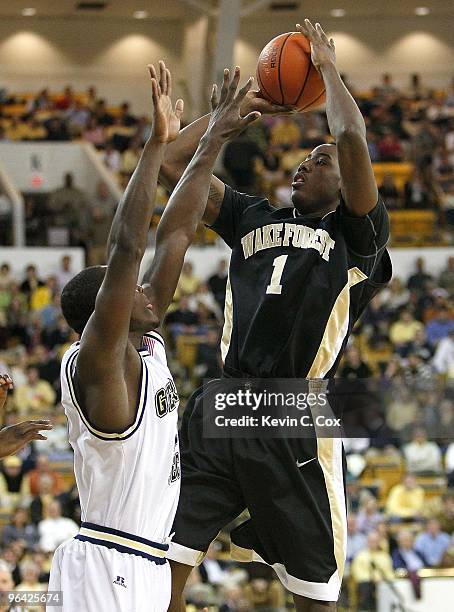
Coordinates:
5	385
166	117
322	47
226	121
15	437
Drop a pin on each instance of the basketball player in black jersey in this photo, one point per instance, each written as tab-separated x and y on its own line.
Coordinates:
299	279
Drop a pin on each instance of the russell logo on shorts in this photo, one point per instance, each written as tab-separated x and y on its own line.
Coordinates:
120	581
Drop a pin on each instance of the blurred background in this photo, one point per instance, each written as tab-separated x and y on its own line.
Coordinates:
75	110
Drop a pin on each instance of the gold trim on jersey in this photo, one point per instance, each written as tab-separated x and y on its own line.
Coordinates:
122	541
329	450
336	328
228	320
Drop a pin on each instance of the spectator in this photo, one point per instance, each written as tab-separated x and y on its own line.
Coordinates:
402	408
55	529
390	148
404	329
395	295
369	516
421	455
389	192
211	569
369	567
285	132
36	397
218	282
405	556
31	282
418	346
418	375
439	327
420	278
65	272
43	467
182	320
446	279
189	282
356	541
240	157
98	232
14	484
111	157
448	556
66	100
69	208
354	366
443	508
432	543
30	582
20	528
6	277
443	360
417	192
94	133
6	584
406	500
208	359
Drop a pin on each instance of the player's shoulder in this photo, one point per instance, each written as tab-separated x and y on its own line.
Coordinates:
246	200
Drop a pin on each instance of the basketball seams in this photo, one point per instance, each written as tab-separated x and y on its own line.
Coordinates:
263	88
311	65
279	66
313	101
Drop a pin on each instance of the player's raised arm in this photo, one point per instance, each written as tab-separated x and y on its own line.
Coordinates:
346	125
184	211
179	153
105	338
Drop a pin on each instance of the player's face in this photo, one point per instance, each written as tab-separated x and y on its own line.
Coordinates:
316	184
143	318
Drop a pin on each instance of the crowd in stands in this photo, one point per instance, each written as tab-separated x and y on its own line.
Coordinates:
412	127
404	341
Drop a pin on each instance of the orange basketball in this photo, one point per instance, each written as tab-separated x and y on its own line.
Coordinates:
286	75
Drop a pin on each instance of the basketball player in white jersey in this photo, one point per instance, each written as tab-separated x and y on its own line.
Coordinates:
117	390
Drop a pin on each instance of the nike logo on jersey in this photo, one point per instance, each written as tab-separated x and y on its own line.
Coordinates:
301	463
300	236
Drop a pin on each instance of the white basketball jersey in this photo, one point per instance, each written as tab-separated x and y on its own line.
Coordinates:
129	481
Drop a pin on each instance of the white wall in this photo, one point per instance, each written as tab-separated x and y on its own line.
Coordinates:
112	54
366	49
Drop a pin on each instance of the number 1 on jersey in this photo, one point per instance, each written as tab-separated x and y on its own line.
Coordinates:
278	265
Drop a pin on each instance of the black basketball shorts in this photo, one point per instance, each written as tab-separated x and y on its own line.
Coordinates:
293	489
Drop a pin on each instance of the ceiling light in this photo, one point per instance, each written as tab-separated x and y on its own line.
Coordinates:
421	11
140	14
339	12
28	12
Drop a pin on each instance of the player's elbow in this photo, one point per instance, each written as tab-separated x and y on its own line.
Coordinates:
351	135
127	245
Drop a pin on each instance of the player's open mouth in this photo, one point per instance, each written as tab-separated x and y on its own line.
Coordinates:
298	182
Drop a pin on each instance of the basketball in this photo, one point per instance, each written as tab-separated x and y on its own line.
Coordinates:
286	74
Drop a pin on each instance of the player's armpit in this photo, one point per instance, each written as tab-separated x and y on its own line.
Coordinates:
214	203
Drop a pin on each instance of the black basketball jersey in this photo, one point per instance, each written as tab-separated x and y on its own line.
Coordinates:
296	284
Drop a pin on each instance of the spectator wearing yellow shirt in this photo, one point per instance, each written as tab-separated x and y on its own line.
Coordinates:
42	296
36	396
188	283
370	566
14	484
405	500
404	330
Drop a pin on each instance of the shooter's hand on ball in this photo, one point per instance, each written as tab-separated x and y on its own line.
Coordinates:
253	101
166	117
225	121
322	47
